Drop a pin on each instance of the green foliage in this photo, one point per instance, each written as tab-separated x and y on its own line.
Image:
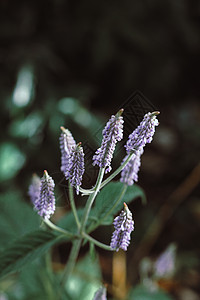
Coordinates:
68	222
141	292
85	280
11	160
110	200
28	127
25	250
16	217
34	284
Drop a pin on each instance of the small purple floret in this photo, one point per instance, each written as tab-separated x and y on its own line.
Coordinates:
34	188
66	143
75	167
124	225
45	204
112	133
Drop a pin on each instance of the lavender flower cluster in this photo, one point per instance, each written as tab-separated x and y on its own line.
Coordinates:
129	174
112	133
42	196
34	189
137	140
75	169
165	264
67	142
124	225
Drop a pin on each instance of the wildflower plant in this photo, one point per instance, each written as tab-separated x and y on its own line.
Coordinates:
104	200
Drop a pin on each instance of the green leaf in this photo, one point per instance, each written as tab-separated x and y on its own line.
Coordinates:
85	280
28	127
16	217
25	250
38	281
68	221
110	200
11	161
142	292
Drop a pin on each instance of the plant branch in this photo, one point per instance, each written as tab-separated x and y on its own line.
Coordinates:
99	244
56	228
73	206
91	200
86	192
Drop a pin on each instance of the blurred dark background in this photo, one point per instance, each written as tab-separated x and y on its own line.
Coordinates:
74	63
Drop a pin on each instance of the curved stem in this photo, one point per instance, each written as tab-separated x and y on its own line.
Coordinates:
116	172
91	200
86	192
54	227
99	244
73	206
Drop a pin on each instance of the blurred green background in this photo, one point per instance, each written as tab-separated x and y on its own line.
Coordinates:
74	63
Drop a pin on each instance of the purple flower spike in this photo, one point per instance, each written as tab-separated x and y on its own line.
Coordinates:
143	134
129	174
34	188
165	264
75	168
124	225
66	143
100	294
45	204
112	133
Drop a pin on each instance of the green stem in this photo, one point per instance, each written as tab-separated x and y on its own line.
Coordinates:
99	222
48	264
73	206
71	261
91	200
54	227
116	172
99	244
77	243
86	192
